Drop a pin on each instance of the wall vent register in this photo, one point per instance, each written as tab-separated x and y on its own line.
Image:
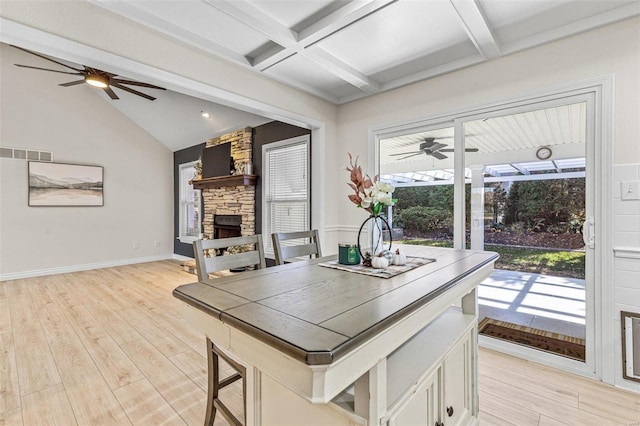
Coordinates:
630	345
26	154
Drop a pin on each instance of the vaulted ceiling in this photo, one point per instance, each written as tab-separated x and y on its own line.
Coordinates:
344	50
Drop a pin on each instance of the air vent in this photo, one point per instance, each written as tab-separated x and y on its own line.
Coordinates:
630	345
26	154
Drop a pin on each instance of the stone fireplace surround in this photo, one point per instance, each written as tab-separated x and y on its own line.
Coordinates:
232	200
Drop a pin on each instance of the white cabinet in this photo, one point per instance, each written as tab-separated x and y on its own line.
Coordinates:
457	377
444	394
420	408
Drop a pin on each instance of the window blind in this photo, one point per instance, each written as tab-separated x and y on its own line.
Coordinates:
189	203
286	190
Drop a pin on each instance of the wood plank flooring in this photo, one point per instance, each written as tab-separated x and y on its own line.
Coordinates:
109	346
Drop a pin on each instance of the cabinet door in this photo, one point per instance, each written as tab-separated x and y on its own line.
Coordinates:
457	383
418	410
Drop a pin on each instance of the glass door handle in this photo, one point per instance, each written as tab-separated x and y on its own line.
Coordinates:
588	233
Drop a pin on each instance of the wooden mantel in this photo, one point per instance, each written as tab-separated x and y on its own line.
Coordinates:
222	181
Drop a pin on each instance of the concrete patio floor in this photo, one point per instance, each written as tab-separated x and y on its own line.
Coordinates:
545	302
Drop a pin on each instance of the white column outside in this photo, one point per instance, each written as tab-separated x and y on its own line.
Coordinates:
477	207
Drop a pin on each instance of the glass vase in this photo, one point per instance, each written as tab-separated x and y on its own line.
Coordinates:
373	242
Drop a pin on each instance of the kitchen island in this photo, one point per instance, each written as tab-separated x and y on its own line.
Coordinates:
326	346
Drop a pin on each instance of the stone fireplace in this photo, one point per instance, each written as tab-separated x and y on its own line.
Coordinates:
230	196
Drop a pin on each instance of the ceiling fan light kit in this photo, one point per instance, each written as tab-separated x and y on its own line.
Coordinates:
97	80
95	77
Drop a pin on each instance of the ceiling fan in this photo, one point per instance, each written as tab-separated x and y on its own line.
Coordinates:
95	77
432	148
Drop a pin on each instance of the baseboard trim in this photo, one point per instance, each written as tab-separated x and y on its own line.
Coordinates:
181	257
84	267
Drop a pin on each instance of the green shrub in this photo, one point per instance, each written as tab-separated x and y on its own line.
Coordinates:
422	219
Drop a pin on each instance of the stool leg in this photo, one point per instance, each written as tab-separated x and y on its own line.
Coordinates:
212	388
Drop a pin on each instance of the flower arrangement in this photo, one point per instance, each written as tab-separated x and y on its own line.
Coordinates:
369	194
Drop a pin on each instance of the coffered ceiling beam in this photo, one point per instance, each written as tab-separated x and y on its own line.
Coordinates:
250	15
135	13
476	26
341	18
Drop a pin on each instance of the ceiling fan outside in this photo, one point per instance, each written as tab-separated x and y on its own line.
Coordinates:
431	148
95	77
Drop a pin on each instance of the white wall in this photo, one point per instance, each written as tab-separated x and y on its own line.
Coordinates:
612	50
78	127
627	258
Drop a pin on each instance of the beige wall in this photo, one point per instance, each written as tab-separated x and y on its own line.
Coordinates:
78	128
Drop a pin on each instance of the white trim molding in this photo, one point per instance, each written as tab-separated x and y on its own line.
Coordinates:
83	267
181	258
627	252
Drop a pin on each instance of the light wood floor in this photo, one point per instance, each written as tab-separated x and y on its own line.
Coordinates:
109	346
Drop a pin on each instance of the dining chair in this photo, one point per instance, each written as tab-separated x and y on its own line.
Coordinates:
245	251
285	248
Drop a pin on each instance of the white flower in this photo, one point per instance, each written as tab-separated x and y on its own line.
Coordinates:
366	202
385	187
384	198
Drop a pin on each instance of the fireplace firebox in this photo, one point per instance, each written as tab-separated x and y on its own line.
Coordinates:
227	225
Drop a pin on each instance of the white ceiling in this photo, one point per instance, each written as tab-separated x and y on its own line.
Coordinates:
344	50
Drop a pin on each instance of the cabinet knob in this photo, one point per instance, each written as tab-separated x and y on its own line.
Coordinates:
449	411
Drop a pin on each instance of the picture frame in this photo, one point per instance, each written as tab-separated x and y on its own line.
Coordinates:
65	185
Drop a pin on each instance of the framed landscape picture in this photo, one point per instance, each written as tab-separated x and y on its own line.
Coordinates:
59	184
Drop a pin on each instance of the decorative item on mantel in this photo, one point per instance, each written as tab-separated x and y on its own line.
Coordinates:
198	169
371	195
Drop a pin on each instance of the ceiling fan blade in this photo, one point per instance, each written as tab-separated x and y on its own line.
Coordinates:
438	146
136	83
71	83
466	150
111	93
439	156
47	69
48	59
135	92
405	153
412	155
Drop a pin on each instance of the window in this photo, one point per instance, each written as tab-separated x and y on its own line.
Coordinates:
189	205
285	188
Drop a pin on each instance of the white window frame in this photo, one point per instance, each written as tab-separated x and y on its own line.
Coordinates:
183	203
305	139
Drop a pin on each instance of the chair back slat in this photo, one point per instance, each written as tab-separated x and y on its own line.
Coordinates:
283	251
206	265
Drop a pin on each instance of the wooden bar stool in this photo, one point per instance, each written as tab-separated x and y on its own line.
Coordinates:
214	403
252	254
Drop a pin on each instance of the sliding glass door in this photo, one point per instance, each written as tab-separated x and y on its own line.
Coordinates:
518	181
